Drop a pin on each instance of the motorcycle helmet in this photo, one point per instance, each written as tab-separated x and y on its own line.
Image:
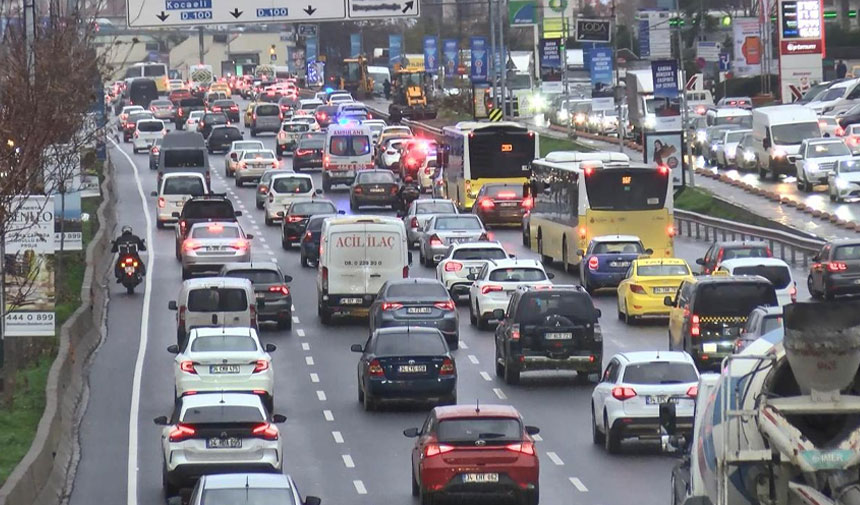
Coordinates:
126	230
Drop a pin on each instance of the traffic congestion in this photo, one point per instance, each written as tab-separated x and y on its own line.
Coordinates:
311	314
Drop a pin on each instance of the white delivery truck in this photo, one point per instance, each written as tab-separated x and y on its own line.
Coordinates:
777	134
358	254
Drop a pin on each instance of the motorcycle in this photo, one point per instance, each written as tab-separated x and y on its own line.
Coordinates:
408	194
129	269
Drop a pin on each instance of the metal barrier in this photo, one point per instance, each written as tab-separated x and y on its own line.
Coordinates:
792	248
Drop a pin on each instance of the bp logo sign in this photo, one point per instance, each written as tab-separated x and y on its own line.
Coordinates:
557	5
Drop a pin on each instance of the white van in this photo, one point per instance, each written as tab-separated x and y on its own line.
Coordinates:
379	76
358	254
777	134
175	189
839	94
284	189
347	149
729	115
214	302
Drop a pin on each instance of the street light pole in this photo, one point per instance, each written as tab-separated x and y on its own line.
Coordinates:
619	125
503	60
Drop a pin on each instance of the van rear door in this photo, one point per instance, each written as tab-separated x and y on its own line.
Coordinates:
385	255
347	256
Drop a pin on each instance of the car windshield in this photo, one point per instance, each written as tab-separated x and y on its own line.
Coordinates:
847	252
457	223
291	185
215	230
416	290
848	166
349	145
224	343
479	254
778	275
217	300
309	208
316	224
794	133
249	496
258	155
208	210
296	127
413	343
244	146
375	178
746	252
267	110
831	94
734	298
441	207
470	430
735	136
222	414
311	144
183	186
617	248
716	134
256	276
215	119
824	149
536	306
660	372
741	120
517	274
223	103
662	270
160	103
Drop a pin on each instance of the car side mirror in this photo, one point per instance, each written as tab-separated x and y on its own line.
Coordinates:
356	348
499	314
472	277
249	236
598	313
280	213
154	193
649	251
512	256
580	252
237	213
288	278
271	348
175	214
171	305
667	301
765	143
312	500
234	157
700	261
400	214
160	420
279	418
318	191
174	500
550	275
532	430
411	432
173	349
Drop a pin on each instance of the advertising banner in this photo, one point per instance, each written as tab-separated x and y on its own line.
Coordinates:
664	148
480	59
63	178
354	44
550	65
431	55
801	47
522	12
29	268
659	34
668	112
311	49
68	227
395	49
593	30
644	39
451	55
600	63
748	49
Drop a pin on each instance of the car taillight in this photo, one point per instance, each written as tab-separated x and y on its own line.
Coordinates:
486	236
636	288
453	266
282	289
190	245
515	332
486	203
234	108
413	223
393	189
693	391
254	116
435	241
623	393
303	152
261	366
527	203
522	447
490	288
582	232
187	366
294	219
391	305
324	274
263	189
154	150
282	136
695	330
839	131
308	237
182	432
431	450
406	272
267	431
670	230
837	266
593	263
161	202
375	369
447	367
358	189
239	245
792	292
446	305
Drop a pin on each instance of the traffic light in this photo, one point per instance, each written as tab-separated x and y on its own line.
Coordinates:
726	21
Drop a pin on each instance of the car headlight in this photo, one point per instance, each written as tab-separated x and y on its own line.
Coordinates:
749	156
538	102
701	136
562	114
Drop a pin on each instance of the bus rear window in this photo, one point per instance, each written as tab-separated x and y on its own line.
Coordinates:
496	154
184	158
349	145
154	70
626	190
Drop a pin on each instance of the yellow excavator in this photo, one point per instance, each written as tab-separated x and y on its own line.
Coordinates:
356	79
408	96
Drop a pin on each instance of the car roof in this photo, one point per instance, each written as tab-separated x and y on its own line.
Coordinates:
252	480
206	224
482	244
433	200
727	279
825	140
515	262
215	399
660	261
739	243
649	356
407	329
476	410
290	175
554	287
171	175
215	332
616	238
769	310
745	262
251	265
207	282
415	280
844	241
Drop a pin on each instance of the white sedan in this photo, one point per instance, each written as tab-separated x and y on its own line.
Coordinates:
231	161
626	401
493	285
224	359
464	259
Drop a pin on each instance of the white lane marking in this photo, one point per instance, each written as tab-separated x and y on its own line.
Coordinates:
500	394
315	378
263	240
328	415
293	308
306	346
271	253
537	438
554	458
359	487
134	414
321	395
486	376
296	319
309	360
578	485
473	359
338	438
300	332
347	461
463	345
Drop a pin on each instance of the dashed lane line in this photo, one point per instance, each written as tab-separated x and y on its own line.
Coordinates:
359	487
500	394
537	438
328	415
300	332
321	396
315	378
309	360
578	485
338	438
306	346
296	319
554	458
463	345
473	359
486	376
347	461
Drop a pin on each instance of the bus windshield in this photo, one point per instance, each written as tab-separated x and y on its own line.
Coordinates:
499	153
626	190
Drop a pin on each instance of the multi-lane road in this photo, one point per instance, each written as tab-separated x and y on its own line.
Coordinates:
333	448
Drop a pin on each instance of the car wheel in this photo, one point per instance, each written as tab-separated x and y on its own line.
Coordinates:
170	490
512	374
596	434
285	244
427	497
611	439
352	206
454	345
325	315
810	286
762	172
326	182
628	319
269	221
416	490
472	319
369	402
581	378
526	238
500	368
483	324
253	132
303	261
285	323
546	260
532	497
159	224
360	393
238	182
186	274
260	205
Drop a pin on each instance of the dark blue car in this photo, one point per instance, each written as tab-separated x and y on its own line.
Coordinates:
406	364
310	242
606	261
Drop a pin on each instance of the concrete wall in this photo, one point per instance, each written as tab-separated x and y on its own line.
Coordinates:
187	53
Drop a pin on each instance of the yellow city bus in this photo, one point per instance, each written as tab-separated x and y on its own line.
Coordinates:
155	71
576	200
481	153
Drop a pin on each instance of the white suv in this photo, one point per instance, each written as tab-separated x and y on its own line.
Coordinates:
464	259
493	285
773	269
626	402
215	433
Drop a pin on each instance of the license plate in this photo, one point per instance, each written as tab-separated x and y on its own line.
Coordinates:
474	270
129	270
658	399
508	204
224	443
619	263
418	310
480	478
377	190
856	281
221	369
558	336
664	291
351	301
709	347
412	368
730	332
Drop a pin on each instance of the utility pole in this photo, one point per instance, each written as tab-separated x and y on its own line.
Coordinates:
620	124
683	94
200	50
491	74
30	34
503	60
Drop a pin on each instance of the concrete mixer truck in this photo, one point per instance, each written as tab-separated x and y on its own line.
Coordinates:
780	425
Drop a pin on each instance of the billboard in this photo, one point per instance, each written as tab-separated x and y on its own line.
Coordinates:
478	45
451	57
395	49
748	48
550	65
801	47
664	148
354	44
593	30
659	34
522	12
600	68
668	111
431	55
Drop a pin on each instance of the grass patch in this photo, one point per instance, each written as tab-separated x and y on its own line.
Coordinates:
551	144
452	115
18	425
703	202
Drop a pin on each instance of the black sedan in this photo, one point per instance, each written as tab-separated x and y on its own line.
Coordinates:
501	204
416	302
210	120
228	107
296	219
325	115
310	244
222	137
373	187
270	286
308	154
411	364
835	270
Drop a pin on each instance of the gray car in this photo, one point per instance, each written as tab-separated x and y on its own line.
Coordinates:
209	246
266	118
441	231
762	320
266	487
419	212
270	286
416	302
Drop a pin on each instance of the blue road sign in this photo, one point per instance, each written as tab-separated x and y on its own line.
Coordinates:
271	12
173	5
195	15
724	62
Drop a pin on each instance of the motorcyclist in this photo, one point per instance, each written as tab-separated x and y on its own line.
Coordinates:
409	191
128	244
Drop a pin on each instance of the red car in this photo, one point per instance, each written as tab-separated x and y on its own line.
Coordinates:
466	450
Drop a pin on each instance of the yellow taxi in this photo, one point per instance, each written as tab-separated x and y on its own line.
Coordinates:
222	87
249	114
648	282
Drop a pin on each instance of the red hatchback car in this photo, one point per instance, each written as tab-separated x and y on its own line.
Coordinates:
466	450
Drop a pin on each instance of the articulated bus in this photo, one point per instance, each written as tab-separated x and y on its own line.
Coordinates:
480	153
155	71
576	200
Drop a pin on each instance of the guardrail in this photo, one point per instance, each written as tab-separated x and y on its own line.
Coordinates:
792	248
